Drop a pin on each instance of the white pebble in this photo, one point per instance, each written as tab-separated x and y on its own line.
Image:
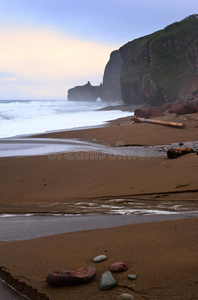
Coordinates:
99	258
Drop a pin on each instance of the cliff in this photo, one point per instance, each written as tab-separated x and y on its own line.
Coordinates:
162	67
154	69
111	90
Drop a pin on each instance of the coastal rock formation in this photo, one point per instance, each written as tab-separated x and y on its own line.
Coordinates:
111	90
155	69
162	67
85	92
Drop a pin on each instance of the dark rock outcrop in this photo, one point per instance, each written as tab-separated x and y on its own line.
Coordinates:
162	67
177	107
85	92
182	108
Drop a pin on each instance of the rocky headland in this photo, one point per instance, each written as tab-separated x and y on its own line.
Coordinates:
85	92
155	69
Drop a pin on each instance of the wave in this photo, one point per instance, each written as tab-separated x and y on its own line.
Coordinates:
5	116
30	117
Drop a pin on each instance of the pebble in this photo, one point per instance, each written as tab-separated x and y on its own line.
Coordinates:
107	281
99	258
125	297
132	276
118	267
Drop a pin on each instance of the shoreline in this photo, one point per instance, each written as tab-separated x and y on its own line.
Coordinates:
130	133
66	120
76	183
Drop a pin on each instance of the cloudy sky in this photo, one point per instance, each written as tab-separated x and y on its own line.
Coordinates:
49	46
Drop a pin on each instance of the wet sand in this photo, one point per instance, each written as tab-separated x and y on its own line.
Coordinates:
162	254
56	184
124	132
23	227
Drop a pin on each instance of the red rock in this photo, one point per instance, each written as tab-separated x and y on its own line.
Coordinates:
176	106
147	113
156	112
118	267
70	277
142	113
166	106
188	108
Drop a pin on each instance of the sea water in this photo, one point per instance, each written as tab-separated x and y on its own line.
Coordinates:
25	117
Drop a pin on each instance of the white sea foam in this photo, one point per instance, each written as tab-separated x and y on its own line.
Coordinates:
29	117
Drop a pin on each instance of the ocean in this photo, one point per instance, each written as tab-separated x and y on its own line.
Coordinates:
24	117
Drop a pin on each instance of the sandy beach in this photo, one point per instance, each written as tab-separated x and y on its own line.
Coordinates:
163	255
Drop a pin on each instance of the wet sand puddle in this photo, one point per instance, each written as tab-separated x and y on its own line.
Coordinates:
56	148
128	207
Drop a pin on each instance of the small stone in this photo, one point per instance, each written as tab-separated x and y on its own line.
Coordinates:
132	276
118	267
99	258
125	297
107	281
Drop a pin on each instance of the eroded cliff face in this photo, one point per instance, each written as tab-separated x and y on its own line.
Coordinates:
111	90
162	67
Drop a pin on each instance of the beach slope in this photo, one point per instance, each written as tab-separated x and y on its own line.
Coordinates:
163	255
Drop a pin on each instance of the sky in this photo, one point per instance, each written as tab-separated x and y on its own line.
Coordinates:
49	46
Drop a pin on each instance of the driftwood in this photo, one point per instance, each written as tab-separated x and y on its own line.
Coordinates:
171	124
175	152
